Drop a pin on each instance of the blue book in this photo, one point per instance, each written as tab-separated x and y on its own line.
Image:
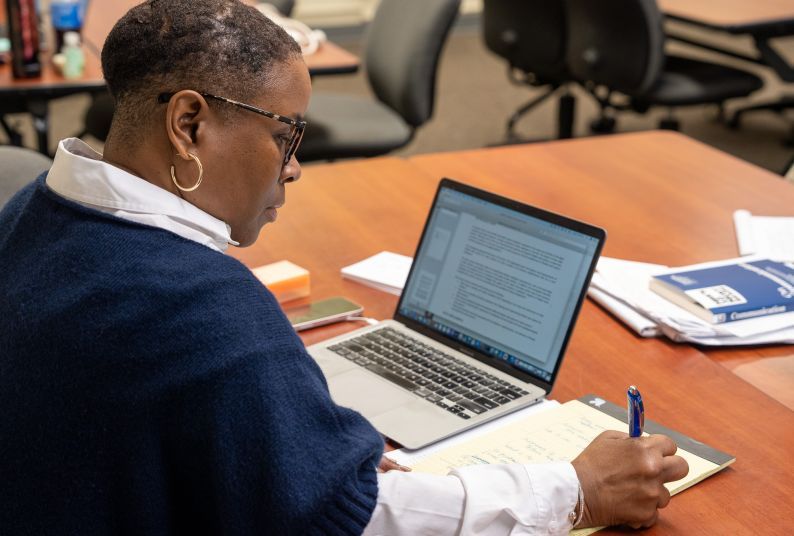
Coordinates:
731	292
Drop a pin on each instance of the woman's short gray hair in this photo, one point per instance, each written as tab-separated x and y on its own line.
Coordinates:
220	46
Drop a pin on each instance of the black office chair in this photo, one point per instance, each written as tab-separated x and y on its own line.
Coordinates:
618	46
788	171
18	167
99	115
404	42
531	36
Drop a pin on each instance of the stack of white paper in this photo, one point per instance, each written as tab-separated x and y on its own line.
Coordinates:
385	271
770	236
622	288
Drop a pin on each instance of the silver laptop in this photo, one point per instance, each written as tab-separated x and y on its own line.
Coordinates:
482	323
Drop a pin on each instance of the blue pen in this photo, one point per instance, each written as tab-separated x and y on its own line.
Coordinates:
636	412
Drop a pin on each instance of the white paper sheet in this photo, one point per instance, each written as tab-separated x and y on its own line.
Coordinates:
644	326
385	271
770	236
627	281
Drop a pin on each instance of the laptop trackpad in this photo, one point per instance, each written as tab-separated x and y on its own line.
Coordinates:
356	389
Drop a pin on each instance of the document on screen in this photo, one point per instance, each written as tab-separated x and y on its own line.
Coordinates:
507	285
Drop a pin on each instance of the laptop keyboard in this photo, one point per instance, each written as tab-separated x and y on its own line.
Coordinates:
427	372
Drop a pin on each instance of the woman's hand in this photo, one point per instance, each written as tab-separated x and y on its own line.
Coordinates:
622	478
387	465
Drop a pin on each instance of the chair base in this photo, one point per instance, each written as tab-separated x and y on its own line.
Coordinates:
670	123
603	125
778	106
525	109
566	114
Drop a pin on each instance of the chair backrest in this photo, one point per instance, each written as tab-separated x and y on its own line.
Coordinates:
529	34
616	43
19	167
404	42
788	172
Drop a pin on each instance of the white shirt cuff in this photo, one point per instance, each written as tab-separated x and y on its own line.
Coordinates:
555	487
519	499
480	500
416	503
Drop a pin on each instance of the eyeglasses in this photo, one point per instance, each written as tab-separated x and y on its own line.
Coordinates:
296	133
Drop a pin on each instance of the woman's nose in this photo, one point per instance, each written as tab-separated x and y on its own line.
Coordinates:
291	172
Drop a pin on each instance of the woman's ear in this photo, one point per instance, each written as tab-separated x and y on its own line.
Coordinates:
186	113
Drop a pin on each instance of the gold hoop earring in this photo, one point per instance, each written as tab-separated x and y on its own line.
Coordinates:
198	182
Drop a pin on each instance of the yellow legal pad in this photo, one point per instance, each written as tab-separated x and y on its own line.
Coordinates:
562	433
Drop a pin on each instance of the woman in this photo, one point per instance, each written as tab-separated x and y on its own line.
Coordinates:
150	384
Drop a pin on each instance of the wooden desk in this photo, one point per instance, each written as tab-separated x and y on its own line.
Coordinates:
32	95
735	16
51	84
329	58
662	198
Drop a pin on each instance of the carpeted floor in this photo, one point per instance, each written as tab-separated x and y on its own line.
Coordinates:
475	98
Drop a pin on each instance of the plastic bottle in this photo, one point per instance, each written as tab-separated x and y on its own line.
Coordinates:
67	16
73	55
23	30
5	48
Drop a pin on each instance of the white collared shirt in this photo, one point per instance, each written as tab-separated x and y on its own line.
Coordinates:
483	500
79	174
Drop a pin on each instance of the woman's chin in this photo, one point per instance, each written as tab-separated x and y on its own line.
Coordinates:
247	238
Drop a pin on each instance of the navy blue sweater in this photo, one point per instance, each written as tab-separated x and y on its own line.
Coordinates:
150	385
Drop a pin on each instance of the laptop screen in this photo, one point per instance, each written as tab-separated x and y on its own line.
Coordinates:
500	278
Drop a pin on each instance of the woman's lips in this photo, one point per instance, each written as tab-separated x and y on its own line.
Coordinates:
272	212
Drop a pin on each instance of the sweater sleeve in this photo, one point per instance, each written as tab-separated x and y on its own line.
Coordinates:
256	445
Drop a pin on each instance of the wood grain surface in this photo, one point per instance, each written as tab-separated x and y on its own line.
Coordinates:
101	17
51	81
730	13
329	58
663	198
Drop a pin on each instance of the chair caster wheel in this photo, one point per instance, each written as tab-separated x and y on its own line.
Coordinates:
603	125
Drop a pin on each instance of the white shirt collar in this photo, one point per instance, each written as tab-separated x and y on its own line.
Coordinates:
79	174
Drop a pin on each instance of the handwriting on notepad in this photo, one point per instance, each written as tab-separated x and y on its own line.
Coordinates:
537	446
561	435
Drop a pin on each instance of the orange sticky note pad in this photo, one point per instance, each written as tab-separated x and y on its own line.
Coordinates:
286	280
